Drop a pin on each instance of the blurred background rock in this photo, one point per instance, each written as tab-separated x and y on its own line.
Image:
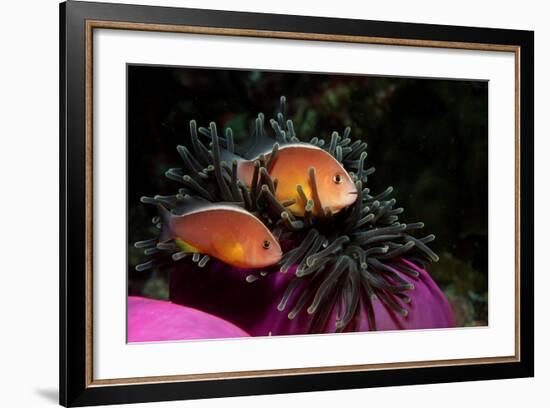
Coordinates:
427	138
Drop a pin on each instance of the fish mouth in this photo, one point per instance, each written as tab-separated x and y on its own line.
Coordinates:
351	198
337	208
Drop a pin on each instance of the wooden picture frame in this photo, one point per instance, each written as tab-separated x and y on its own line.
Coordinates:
78	20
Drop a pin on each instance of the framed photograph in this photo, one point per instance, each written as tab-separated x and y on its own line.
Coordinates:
255	203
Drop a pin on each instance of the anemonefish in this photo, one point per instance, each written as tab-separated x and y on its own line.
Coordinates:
224	232
291	167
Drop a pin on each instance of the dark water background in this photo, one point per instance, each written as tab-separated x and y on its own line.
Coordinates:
427	138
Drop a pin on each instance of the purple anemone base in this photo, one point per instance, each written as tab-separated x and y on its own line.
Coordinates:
155	320
223	291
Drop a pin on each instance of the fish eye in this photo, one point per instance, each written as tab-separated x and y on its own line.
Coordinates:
338	179
266	244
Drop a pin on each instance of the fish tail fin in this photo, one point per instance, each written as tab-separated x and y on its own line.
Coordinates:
166	233
165	217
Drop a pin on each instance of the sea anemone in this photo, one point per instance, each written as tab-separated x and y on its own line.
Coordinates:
221	290
352	271
157	320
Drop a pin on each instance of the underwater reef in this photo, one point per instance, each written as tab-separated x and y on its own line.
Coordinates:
349	267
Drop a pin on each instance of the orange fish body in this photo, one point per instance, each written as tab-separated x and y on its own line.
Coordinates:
227	233
291	168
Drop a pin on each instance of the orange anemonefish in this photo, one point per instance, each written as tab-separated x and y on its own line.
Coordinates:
291	167
225	232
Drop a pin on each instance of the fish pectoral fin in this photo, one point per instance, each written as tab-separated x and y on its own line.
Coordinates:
185	246
226	248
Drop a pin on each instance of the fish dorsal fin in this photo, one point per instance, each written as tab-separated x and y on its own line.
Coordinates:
191	204
282	129
259	141
268	151
228	157
246	148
